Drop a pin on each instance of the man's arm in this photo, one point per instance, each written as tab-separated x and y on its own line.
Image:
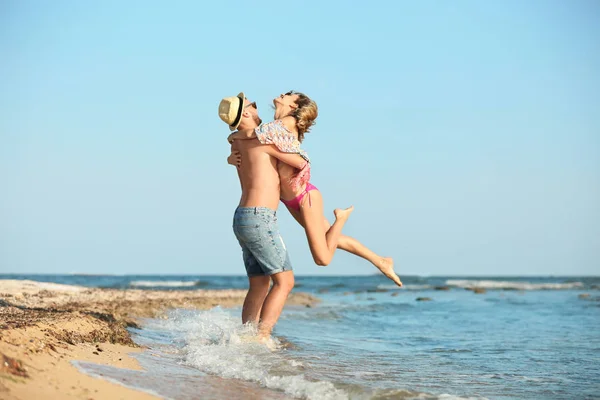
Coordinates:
235	158
292	159
233	154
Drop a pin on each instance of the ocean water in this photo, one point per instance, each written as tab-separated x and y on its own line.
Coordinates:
524	338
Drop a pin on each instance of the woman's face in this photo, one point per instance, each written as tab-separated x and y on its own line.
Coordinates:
286	101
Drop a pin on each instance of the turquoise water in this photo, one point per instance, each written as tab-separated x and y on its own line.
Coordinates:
525	338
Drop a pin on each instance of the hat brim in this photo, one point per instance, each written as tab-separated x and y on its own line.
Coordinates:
241	96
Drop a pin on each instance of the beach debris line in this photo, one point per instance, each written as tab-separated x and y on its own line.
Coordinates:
13	366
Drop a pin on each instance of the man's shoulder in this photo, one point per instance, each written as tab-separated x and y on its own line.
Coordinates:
253	145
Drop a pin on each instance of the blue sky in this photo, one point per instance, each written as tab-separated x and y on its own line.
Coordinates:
466	133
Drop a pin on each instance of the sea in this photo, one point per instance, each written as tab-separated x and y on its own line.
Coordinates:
434	338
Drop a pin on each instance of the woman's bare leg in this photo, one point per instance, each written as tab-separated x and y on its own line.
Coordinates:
352	245
322	242
384	264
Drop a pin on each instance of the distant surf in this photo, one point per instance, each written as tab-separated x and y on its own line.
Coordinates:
487	284
511	285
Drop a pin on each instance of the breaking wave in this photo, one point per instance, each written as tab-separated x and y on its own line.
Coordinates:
217	344
511	285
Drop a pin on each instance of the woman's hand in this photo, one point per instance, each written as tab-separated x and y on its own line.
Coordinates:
235	158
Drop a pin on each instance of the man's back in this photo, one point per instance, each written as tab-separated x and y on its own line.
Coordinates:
258	175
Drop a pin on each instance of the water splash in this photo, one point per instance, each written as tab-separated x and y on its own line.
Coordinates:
216	343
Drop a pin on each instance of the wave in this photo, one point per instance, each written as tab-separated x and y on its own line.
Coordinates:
403	394
511	285
217	344
165	283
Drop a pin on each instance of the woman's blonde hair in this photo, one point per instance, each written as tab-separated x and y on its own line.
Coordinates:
305	115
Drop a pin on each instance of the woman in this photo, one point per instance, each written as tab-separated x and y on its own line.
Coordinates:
295	113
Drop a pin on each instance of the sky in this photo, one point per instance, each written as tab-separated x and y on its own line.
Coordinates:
466	134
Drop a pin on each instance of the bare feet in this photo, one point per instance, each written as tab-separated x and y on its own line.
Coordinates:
269	343
343	214
386	266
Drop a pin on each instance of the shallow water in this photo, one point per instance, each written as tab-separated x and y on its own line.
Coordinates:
525	338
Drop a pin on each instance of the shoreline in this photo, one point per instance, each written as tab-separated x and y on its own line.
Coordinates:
45	326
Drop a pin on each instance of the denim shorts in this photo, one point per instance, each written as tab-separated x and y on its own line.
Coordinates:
263	249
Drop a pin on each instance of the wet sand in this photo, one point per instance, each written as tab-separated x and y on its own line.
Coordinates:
44	326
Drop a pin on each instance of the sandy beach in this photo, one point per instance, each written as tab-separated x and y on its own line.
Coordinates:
45	326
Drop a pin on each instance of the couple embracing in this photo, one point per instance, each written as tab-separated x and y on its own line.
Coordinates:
271	167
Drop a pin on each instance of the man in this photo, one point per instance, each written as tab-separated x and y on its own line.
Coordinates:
255	219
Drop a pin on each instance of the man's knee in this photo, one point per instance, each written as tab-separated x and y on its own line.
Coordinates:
284	280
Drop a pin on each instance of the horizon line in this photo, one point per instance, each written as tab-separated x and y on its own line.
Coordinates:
305	275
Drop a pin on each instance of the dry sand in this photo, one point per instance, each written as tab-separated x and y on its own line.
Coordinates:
44	326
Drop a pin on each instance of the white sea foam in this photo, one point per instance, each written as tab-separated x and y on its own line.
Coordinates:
216	343
410	395
489	284
163	283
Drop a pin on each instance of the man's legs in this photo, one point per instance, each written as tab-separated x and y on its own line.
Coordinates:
283	283
246	227
259	287
265	258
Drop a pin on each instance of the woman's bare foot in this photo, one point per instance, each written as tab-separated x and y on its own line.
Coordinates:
343	214
386	266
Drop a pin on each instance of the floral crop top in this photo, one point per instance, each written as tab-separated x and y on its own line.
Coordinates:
276	133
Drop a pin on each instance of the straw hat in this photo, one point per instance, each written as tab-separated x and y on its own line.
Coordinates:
230	110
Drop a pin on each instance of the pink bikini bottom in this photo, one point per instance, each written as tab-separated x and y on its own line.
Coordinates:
295	202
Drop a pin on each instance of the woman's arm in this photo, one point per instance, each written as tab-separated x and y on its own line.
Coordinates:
276	132
291	159
284	144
